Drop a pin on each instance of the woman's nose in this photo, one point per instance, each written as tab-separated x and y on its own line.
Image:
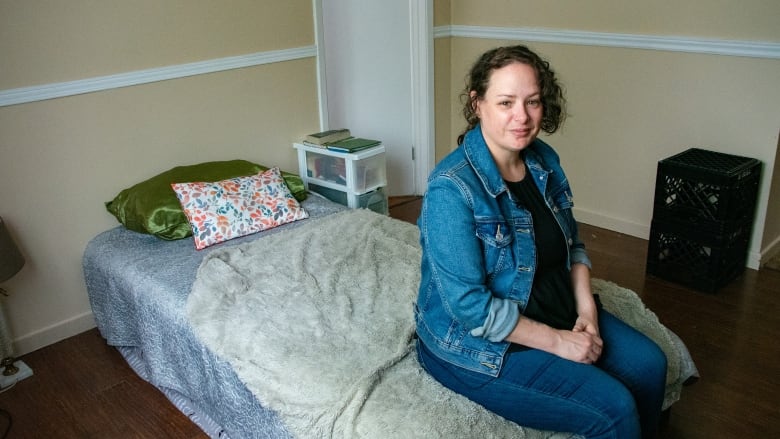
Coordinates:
521	114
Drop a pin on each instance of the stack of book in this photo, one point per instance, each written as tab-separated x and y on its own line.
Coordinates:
323	138
339	140
353	144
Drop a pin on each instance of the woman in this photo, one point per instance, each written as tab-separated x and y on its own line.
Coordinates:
505	314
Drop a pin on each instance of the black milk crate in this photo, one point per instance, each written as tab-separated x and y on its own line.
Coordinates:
704	261
711	190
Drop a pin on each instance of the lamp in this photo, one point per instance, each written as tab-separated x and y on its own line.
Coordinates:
11	261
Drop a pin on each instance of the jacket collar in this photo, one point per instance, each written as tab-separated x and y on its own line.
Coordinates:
478	155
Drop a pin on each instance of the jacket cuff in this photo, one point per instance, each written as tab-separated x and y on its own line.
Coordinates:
580	256
501	320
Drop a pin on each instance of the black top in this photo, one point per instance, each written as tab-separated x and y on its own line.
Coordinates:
552	296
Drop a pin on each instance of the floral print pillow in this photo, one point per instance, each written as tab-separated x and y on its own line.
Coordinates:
236	207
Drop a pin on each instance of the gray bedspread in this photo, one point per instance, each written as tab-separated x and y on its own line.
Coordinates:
138	287
318	323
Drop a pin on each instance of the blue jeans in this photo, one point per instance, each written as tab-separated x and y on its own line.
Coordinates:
619	397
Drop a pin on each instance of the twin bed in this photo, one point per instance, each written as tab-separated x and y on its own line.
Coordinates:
301	330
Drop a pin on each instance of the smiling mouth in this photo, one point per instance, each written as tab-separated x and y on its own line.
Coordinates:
521	132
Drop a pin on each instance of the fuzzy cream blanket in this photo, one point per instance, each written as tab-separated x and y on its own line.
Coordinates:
317	322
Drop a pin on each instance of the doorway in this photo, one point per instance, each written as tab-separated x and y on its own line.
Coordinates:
376	79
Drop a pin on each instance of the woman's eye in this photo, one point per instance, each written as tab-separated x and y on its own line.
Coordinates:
505	103
534	103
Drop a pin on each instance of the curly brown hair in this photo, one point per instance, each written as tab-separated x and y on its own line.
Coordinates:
478	79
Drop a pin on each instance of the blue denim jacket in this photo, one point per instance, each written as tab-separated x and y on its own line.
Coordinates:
478	252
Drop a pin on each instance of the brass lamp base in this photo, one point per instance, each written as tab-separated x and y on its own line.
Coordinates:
15	371
9	368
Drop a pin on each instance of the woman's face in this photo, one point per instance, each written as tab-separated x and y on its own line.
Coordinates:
510	113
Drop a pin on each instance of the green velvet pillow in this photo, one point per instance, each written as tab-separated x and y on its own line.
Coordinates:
151	206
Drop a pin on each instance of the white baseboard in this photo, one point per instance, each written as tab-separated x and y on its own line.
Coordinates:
611	223
753	260
53	333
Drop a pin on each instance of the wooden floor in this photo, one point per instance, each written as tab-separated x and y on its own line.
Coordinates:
82	388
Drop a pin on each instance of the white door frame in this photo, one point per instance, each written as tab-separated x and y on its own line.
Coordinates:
319	38
421	77
423	127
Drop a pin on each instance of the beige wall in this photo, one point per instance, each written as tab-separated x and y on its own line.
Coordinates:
631	107
723	19
45	41
442	12
61	159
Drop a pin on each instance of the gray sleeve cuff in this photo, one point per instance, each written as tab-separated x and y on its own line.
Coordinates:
500	322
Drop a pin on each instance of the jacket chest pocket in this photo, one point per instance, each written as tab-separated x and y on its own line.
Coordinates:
561	204
496	237
561	198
